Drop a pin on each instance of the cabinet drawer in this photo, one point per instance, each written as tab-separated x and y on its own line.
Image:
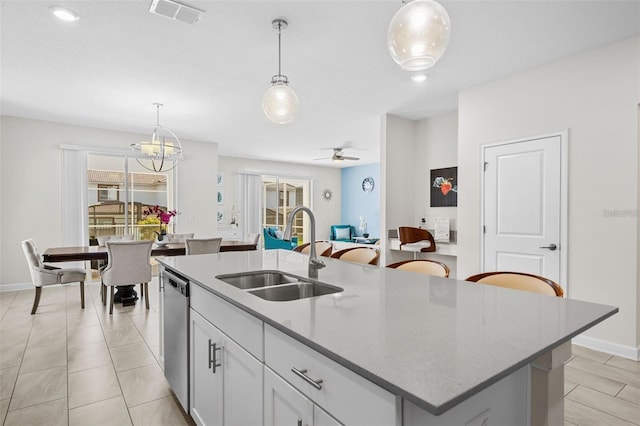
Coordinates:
243	328
350	398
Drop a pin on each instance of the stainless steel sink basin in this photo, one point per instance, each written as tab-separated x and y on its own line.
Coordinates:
278	286
295	291
257	279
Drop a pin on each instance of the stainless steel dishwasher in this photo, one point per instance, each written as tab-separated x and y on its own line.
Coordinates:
176	335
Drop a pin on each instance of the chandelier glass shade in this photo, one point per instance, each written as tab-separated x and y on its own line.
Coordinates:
160	152
418	34
280	102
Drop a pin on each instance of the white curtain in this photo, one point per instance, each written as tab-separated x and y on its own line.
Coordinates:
74	198
250	203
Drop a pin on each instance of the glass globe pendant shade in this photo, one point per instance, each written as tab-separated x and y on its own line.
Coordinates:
280	103
418	34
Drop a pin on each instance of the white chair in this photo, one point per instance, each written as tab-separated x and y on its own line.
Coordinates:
128	264
416	240
323	248
519	281
43	275
202	245
366	255
178	238
102	239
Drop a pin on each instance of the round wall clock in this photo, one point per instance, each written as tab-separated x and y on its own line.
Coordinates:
327	194
368	184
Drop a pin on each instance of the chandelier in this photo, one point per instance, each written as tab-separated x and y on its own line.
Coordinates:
162	152
280	102
418	34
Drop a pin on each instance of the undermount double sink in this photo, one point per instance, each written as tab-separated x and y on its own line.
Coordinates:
278	286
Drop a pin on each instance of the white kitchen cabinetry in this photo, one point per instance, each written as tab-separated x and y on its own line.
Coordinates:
284	405
345	395
225	380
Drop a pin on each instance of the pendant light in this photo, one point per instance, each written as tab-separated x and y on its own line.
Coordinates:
280	102
418	34
162	153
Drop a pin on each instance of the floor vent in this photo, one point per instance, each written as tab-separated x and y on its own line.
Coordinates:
174	10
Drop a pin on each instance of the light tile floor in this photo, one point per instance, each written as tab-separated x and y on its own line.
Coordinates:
70	366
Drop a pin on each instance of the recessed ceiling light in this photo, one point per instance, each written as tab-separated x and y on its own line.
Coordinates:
419	78
64	14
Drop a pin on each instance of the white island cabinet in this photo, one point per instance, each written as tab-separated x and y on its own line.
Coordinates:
392	348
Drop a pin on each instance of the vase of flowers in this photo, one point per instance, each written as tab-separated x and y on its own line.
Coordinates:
163	217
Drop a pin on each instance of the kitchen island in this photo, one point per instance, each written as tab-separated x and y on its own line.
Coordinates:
428	350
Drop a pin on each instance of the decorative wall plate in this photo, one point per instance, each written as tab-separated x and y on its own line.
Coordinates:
368	184
327	194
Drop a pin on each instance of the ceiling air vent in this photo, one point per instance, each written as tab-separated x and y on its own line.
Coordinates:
174	10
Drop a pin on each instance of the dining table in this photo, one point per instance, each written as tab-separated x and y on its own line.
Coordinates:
127	294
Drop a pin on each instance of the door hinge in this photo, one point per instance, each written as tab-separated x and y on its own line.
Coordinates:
485	165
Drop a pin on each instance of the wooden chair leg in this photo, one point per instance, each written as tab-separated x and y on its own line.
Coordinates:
104	295
141	290
111	298
146	292
36	300
82	294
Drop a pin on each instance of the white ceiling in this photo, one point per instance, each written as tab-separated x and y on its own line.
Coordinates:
107	69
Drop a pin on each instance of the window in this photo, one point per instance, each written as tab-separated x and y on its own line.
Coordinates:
108	192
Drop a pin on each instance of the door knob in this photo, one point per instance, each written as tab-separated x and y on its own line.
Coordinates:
551	247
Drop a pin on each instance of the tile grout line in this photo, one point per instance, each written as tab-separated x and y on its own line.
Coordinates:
603	412
594	408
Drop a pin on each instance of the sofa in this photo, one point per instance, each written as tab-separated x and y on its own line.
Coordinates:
273	239
342	233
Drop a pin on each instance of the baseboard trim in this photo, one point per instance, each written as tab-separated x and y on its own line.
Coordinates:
15	287
623	351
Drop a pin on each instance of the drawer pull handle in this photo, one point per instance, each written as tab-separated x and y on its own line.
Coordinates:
302	374
299	422
213	363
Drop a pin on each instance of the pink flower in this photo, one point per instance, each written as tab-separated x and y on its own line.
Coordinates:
165	217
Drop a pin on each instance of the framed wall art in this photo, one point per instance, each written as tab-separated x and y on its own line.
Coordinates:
444	187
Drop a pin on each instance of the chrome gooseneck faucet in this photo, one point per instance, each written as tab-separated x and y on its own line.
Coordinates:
314	262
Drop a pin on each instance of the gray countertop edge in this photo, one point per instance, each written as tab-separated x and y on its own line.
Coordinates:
435	410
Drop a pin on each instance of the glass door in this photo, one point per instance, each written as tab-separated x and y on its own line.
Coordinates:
280	196
119	193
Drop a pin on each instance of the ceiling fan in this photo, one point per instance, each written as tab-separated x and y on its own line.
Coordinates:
338	156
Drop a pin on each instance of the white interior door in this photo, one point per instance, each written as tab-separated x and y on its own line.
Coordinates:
522	207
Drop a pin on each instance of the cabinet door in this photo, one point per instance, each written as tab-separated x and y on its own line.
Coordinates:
205	404
321	418
242	376
283	405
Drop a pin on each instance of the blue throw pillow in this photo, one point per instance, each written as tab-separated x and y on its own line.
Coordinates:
343	234
278	234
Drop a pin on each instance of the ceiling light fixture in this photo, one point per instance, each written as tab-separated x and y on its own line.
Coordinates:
280	102
418	34
164	149
64	14
419	78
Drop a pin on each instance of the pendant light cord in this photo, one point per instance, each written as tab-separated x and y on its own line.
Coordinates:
279	48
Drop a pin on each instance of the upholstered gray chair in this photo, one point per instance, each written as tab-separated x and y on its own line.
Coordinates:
178	238
128	264
102	239
202	245
43	275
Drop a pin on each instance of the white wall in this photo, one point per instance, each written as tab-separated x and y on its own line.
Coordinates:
595	96
398	177
327	213
30	191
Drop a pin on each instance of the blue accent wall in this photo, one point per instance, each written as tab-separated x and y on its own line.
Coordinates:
355	202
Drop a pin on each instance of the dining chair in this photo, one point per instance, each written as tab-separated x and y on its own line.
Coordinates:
416	240
423	266
254	238
128	264
102	239
323	248
202	245
178	238
44	275
519	281
366	255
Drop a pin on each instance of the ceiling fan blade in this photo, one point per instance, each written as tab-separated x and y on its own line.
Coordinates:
323	158
344	157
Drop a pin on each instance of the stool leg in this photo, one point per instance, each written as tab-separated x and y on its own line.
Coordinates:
36	300
82	294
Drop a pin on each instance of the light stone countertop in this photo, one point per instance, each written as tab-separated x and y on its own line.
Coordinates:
433	341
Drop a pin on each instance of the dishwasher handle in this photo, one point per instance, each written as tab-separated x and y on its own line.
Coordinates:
180	284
